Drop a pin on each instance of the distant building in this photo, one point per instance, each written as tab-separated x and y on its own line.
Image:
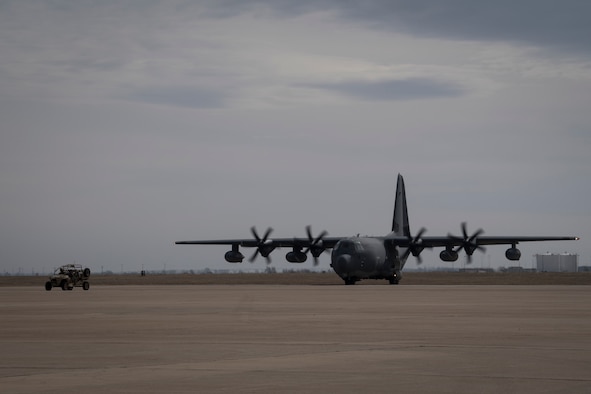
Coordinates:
557	262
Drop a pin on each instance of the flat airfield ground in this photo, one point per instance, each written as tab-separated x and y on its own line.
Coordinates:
222	338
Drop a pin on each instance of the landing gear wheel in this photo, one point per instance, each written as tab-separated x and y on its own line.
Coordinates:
394	281
349	281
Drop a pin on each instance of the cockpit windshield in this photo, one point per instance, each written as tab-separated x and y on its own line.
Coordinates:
348	247
344	247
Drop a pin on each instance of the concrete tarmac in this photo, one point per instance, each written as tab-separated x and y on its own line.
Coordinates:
296	339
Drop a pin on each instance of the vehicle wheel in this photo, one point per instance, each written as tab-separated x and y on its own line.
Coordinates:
86	285
86	272
48	285
64	285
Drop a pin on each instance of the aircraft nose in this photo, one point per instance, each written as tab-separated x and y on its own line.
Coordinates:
343	262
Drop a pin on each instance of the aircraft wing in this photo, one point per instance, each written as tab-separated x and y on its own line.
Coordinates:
450	240
427	241
327	242
414	245
469	243
265	242
265	245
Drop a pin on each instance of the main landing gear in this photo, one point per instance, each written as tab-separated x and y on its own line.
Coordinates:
394	280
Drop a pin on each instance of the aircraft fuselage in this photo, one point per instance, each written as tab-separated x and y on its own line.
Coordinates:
364	258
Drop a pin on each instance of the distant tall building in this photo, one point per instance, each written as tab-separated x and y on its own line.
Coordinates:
557	262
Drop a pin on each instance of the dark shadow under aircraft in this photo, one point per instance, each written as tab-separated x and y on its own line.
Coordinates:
356	258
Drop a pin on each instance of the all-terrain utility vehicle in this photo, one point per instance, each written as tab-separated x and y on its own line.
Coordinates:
69	276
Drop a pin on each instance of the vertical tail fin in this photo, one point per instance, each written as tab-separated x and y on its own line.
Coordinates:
400	224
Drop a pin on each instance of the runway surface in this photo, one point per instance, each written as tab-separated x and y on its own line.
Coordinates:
296	339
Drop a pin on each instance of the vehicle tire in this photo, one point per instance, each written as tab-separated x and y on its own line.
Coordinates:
86	272
48	285
86	285
64	285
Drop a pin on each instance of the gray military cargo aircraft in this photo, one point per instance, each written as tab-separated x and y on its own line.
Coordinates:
356	258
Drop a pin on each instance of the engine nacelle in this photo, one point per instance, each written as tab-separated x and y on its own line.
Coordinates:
513	254
296	257
448	255
233	256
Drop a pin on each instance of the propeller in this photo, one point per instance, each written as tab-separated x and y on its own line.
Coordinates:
315	247
468	243
263	245
415	246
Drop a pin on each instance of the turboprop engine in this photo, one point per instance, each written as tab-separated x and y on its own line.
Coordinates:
448	255
513	254
296	256
234	256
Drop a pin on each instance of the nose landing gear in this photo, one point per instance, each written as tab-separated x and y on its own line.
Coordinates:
394	279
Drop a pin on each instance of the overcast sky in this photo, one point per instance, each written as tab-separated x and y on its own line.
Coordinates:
128	125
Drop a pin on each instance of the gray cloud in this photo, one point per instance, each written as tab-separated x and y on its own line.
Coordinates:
90	173
185	97
408	89
562	26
